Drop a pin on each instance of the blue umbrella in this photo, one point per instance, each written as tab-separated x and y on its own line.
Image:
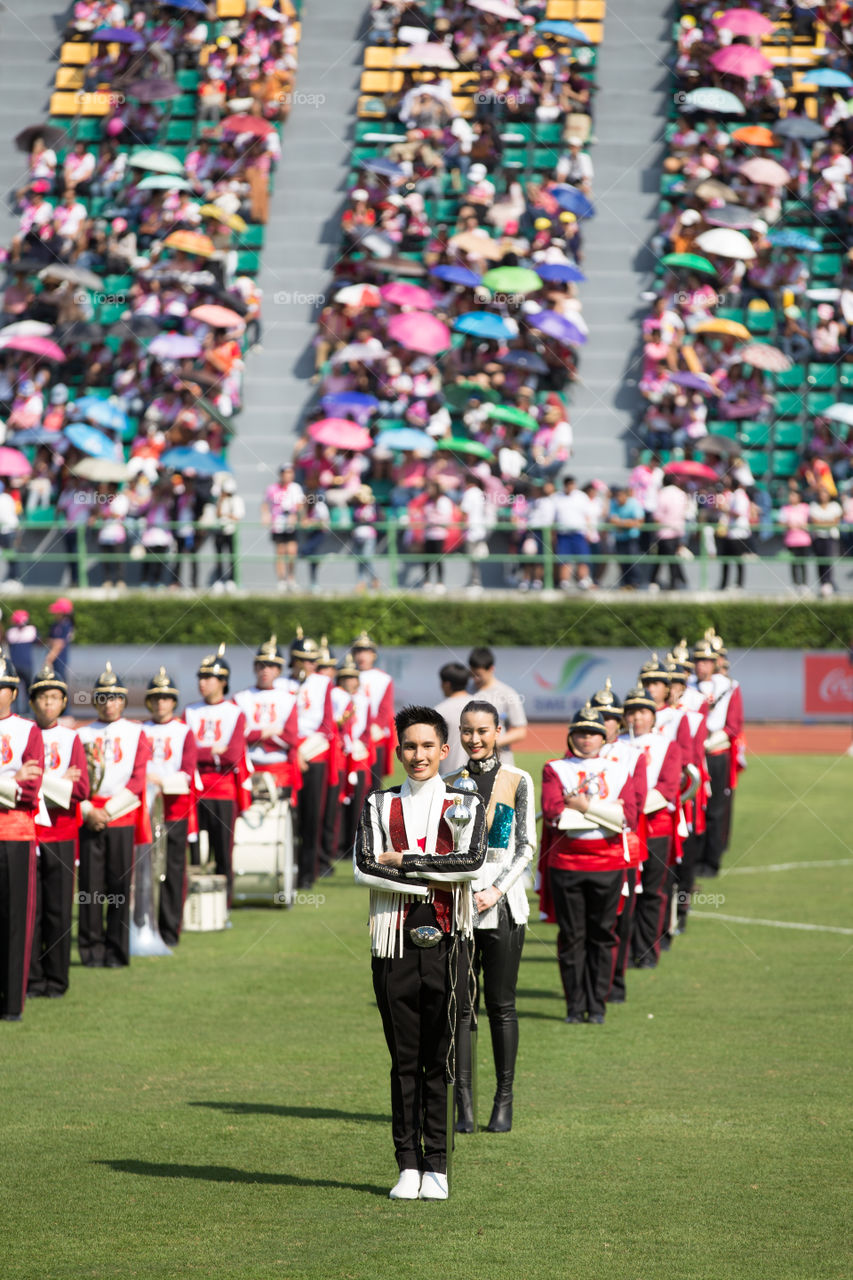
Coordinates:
194	6
573	201
556	326
828	78
378	164
483	324
788	238
405	438
529	361
456	275
105	415
567	30
35	436
117	35
92	442
559	272
358	400
186	459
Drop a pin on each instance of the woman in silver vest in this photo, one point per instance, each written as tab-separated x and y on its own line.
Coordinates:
501	909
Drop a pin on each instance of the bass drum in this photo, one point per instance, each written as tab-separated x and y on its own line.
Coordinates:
263	855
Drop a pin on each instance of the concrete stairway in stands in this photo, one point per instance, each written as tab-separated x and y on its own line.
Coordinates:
302	241
630	117
30	36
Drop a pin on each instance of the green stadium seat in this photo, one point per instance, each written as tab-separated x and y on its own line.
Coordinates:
755	435
757	461
821	376
788	435
188	80
845	375
785	463
819	401
760	322
826	266
789	404
791	378
721	428
248	264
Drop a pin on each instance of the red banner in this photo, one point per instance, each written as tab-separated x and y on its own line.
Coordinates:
828	686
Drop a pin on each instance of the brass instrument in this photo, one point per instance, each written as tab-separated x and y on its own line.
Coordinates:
95	767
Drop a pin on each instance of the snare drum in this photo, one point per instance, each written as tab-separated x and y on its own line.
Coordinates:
263	855
206	906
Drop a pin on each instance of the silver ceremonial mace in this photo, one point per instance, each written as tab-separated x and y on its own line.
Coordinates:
458	817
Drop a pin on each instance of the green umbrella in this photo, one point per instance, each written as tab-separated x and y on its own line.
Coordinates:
508	413
164	182
512	280
456	444
693	261
457	394
156	161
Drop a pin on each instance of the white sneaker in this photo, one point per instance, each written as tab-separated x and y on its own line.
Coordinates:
434	1186
407	1186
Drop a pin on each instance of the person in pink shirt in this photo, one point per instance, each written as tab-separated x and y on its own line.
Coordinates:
794	516
671	512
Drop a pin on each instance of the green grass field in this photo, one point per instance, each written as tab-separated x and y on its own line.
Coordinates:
225	1113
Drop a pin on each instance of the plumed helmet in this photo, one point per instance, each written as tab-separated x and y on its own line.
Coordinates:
704	648
606	701
161	686
325	657
9	678
637	698
589	718
214	664
346	665
680	654
107	685
363	641
654	669
304	647
269	652
48	679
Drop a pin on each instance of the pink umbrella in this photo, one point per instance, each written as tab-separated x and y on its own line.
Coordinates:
13	463
419	331
744	22
427	55
34	346
400	294
741	60
340	434
765	173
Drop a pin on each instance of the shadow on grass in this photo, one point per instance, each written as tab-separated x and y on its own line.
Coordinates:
224	1173
538	993
300	1113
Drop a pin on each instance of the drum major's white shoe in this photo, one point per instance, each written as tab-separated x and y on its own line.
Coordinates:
434	1186
407	1186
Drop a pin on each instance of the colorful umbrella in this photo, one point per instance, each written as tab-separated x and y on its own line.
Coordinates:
33	345
358	352
232	220
405	440
789	238
386	168
528	361
512	280
763	356
359	295
457	444
477	244
744	22
217	317
198	461
716	101
728	328
34	437
457	394
827	78
427	55
102	413
13	464
155	161
456	275
690	470
419	331
117	35
192	242
483	324
193	6
689	262
243	124
341	434
356	404
175	346
694	382
509	413
49	133
741	60
765	173
400	294
754	135
713	189
565	30
720	445
559	272
839	413
89	441
557	327
723	242
164	182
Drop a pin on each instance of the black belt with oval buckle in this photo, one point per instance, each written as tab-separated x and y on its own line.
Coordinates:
426	936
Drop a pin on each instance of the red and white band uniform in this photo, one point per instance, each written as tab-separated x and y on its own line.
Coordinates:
174	760
585	869
663	787
316	728
354	721
273	752
692	733
379	688
638	852
106	856
20	742
724	755
58	842
219	730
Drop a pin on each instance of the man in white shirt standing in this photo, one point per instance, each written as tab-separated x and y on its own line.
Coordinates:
504	699
573	514
454	677
473	506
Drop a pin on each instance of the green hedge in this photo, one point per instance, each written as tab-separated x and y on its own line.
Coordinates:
143	619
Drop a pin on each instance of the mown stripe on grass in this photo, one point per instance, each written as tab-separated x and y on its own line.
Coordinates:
784	866
775	924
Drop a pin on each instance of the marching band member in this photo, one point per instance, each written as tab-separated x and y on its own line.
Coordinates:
316	724
21	769
335	778
65	786
114	817
691	706
272	723
723	748
379	688
663	782
587	800
172	771
354	720
419	870
219	728
501	907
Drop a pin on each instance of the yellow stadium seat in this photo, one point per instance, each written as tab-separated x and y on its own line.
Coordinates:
594	31
561	10
76	53
381	81
70	78
230	8
465	106
64	104
93	104
591	10
379	57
